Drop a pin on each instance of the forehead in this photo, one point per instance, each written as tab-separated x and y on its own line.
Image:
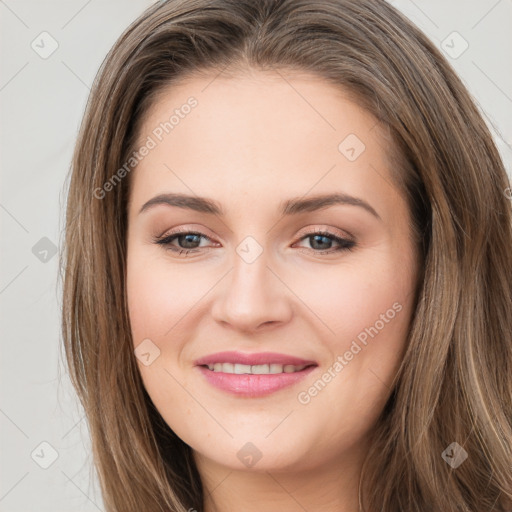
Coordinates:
268	132
263	102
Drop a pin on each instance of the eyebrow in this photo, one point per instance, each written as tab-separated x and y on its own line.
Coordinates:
292	206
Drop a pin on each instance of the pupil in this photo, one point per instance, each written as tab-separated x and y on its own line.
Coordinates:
315	237
187	240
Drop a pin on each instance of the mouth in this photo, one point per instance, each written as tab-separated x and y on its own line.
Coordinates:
256	369
253	375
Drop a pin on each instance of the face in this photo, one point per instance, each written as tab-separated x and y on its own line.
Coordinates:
275	273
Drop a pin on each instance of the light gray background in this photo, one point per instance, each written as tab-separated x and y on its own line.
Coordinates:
41	102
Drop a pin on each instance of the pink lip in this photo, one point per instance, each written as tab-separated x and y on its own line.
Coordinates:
253	385
252	359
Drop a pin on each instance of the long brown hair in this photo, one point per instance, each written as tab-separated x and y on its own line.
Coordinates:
455	381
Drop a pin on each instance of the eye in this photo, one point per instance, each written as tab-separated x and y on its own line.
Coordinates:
320	239
189	239
188	242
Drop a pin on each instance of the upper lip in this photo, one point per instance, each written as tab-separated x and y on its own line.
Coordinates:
253	359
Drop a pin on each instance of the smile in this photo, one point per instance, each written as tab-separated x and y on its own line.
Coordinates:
257	369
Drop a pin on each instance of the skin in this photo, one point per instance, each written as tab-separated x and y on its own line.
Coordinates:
252	142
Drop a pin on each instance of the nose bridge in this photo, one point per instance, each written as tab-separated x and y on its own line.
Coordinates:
252	295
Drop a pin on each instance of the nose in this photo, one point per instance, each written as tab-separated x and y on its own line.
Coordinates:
252	296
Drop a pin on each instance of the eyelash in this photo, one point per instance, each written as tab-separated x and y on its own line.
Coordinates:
344	244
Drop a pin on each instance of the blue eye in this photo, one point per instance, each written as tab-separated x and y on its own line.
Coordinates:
188	240
324	237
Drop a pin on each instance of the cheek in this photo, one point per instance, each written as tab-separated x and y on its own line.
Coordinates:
158	300
158	296
344	301
365	313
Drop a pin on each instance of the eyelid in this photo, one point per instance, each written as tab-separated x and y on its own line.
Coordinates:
183	228
308	230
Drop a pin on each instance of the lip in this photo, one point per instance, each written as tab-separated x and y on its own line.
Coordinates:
248	385
252	359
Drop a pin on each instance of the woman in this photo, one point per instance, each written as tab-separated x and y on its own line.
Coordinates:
225	357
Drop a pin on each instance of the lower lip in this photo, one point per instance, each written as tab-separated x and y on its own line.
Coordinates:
253	385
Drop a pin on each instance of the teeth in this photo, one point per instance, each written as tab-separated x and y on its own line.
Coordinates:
241	368
276	368
260	369
256	369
